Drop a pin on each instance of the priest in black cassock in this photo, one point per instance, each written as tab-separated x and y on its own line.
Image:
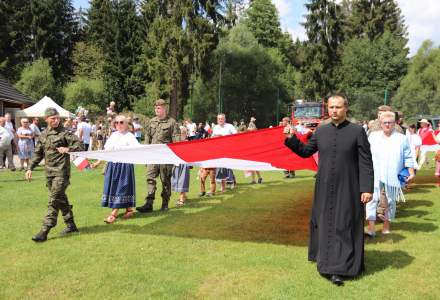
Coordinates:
344	183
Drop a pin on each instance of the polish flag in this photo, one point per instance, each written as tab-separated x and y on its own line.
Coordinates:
428	142
81	163
258	150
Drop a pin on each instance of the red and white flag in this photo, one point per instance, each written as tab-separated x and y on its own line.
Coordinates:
81	163
257	150
428	142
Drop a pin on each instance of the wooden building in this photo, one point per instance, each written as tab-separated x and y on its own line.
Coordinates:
11	100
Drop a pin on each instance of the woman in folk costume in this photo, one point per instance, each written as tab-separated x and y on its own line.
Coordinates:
391	153
180	177
119	183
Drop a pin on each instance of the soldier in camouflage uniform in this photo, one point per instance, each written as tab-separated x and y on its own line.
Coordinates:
160	130
53	146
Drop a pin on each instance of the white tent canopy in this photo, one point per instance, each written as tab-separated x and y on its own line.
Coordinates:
37	110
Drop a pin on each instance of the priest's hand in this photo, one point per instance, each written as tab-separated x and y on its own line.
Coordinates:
366	197
289	131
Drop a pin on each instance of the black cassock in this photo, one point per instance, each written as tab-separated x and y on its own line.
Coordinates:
345	170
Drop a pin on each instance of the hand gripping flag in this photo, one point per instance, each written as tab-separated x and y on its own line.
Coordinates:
259	150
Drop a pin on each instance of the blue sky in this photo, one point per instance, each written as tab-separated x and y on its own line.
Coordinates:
421	17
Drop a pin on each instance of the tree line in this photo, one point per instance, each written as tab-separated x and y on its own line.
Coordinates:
210	56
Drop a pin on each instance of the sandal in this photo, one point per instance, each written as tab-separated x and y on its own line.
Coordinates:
180	203
128	214
110	219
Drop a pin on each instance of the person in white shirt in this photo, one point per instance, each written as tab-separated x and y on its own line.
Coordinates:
415	143
84	132
8	139
137	129
35	129
221	129
191	129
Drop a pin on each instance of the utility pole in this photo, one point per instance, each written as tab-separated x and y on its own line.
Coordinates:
385	97
220	99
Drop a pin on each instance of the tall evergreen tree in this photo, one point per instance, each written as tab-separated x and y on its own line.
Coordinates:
114	26
263	21
180	36
52	35
371	18
324	28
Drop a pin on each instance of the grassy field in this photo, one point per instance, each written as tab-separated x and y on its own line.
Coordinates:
250	243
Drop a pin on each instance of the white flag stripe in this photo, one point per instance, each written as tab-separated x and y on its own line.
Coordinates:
143	154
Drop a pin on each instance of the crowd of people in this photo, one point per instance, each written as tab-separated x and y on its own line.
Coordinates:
376	160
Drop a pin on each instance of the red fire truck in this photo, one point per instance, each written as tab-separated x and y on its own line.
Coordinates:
309	114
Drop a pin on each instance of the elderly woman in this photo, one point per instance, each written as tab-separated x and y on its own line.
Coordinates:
25	142
391	153
119	183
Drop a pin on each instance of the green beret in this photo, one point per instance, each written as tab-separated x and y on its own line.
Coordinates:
160	102
50	111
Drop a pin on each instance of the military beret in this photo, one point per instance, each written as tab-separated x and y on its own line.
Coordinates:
160	102
50	111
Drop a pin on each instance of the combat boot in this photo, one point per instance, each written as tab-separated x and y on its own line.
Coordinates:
146	208
164	205
41	236
70	228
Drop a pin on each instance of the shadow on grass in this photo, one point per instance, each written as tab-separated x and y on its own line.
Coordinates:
384	238
415	227
377	260
243	215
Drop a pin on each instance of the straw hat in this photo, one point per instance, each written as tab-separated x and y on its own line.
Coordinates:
424	121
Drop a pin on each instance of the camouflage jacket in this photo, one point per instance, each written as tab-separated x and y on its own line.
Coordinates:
56	164
162	131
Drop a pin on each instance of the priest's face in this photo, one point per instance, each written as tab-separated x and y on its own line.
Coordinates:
337	109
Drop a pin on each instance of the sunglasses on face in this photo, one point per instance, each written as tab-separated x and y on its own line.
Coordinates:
119	122
388	123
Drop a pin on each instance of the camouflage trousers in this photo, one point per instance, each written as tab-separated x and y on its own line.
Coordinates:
165	172
57	201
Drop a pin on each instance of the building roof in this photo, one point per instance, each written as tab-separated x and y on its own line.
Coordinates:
9	93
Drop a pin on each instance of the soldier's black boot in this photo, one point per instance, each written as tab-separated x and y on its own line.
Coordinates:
41	236
164	205
146	208
70	228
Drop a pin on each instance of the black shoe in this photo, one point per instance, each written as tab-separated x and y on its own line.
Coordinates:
146	208
202	194
260	180
337	280
41	236
71	228
164	207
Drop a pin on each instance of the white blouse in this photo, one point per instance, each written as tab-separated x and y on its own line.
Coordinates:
118	140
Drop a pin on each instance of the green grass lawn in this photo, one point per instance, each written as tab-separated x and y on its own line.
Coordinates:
250	243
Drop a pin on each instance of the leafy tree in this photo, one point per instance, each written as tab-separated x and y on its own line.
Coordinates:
419	92
87	93
88	61
36	81
263	21
370	67
249	83
180	37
